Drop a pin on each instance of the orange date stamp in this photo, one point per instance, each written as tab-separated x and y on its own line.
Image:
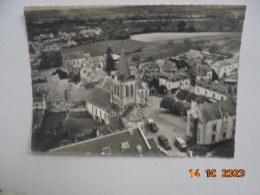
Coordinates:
225	173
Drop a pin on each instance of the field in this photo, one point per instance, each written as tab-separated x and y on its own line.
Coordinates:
152	45
99	48
166	36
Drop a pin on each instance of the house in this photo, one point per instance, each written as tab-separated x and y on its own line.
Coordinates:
76	60
149	67
169	67
130	142
192	57
100	105
215	91
99	62
203	72
174	81
39	103
76	99
211	123
53	91
226	67
89	75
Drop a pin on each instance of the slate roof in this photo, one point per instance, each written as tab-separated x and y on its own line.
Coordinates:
123	67
174	77
168	66
218	87
73	55
214	111
226	62
105	83
192	54
202	70
101	98
77	95
133	113
111	145
52	89
57	89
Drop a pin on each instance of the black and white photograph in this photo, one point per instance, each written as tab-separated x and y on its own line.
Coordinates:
134	80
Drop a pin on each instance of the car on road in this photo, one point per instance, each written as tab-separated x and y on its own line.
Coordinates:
164	142
180	144
152	126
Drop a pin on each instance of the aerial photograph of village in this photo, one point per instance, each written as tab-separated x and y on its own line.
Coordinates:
146	80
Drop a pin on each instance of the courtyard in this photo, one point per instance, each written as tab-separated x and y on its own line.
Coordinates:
169	125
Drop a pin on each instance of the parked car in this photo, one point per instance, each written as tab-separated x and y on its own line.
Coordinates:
152	126
180	144
164	142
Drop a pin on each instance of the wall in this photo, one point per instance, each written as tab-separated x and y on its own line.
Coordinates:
209	93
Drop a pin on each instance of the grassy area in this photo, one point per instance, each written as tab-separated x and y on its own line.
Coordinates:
154	50
99	48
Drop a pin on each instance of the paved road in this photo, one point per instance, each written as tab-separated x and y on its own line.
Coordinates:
169	125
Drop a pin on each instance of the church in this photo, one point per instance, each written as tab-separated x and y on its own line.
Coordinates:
115	93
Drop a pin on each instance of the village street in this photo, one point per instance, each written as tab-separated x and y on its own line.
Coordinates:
169	125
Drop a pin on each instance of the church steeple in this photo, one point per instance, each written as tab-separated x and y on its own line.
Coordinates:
123	68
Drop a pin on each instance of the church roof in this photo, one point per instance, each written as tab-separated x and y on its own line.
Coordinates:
123	67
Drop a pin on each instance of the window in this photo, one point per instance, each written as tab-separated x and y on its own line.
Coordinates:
222	98
118	90
198	90
198	136
224	135
214	127
126	90
132	90
213	95
114	89
205	92
213	138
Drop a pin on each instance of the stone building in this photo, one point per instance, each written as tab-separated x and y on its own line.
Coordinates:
210	123
215	91
174	81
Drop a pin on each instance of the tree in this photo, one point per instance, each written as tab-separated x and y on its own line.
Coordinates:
162	90
167	102
154	83
182	94
62	74
191	97
191	29
50	60
202	99
110	62
181	26
177	108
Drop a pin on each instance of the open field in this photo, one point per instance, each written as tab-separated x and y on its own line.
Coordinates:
99	48
166	36
150	45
